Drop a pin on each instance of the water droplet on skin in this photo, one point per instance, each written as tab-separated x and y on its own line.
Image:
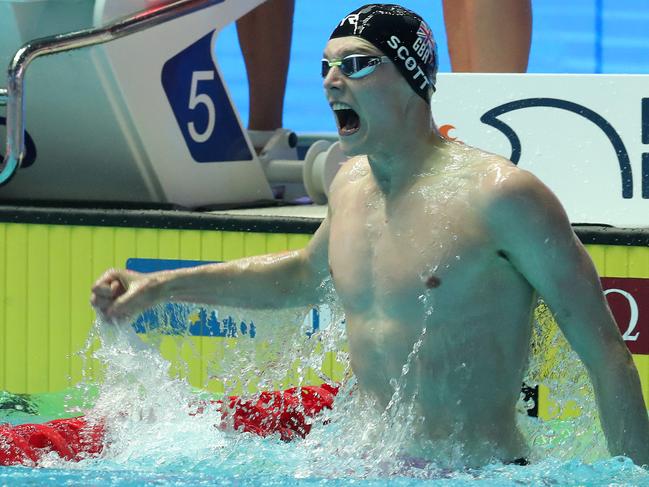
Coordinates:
433	282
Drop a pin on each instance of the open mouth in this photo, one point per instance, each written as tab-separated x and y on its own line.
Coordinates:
347	119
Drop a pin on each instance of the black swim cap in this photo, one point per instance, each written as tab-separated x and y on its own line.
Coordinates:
400	34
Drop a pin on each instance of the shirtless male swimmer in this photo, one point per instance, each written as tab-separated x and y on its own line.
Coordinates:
410	215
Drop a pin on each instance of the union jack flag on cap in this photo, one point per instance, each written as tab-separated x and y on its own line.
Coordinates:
427	35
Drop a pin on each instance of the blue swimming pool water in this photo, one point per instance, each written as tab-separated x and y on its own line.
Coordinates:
154	440
273	465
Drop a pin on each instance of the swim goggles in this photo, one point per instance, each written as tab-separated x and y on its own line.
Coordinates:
355	65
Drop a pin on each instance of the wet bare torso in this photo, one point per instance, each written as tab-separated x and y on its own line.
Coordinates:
426	260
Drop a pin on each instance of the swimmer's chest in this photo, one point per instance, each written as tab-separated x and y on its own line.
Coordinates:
396	255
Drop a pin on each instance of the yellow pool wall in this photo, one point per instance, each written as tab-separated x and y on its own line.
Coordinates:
46	272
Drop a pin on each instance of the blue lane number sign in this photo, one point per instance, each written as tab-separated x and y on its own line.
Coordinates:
201	106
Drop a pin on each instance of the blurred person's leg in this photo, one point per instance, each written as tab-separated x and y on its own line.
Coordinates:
488	35
265	39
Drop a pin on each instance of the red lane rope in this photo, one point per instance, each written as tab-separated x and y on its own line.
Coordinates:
280	412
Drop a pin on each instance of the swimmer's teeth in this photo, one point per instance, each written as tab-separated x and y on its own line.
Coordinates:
340	106
348	120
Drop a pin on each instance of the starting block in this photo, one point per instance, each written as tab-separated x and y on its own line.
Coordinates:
145	118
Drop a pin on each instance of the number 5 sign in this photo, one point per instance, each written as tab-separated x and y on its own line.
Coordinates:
201	106
628	299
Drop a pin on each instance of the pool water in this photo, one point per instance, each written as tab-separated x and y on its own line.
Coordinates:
154	439
569	474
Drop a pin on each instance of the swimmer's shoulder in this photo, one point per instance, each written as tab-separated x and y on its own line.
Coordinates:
503	178
350	177
507	188
352	171
487	170
469	161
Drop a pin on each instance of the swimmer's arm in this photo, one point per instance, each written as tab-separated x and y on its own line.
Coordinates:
530	225
286	279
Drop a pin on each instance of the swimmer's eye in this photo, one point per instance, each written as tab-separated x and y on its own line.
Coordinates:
355	65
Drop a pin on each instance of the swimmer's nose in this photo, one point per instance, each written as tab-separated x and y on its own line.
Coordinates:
333	80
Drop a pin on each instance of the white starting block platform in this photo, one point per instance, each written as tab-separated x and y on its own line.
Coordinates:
148	118
145	118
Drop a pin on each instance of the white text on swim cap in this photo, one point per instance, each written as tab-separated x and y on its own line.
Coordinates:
410	62
422	48
352	19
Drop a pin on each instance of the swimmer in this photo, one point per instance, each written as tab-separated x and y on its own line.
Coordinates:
426	239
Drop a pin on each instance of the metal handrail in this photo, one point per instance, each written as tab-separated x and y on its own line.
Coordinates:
14	97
